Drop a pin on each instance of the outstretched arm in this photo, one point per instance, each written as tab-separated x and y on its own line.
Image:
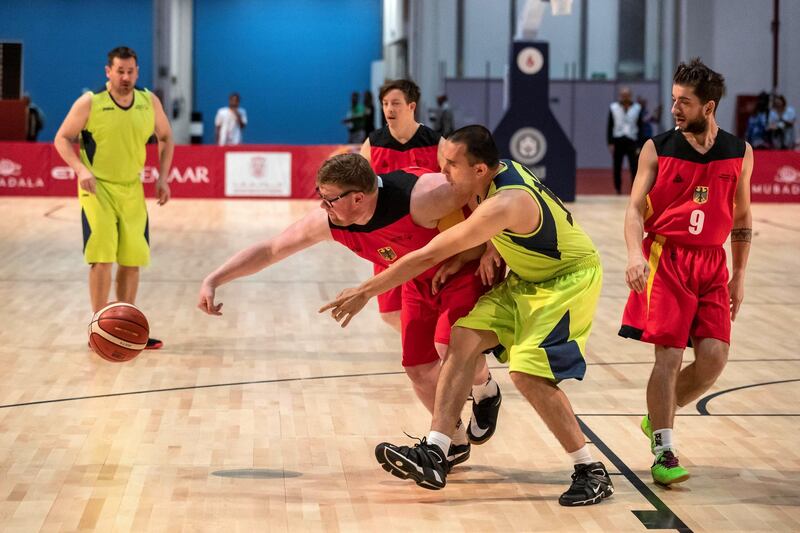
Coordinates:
307	231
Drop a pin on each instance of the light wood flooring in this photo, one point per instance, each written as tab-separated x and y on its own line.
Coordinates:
265	419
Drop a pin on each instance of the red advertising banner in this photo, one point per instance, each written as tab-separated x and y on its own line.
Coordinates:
279	171
250	171
776	176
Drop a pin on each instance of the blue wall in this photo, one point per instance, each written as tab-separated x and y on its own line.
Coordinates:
294	62
64	47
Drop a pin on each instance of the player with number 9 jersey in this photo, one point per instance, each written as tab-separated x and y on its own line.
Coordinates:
688	218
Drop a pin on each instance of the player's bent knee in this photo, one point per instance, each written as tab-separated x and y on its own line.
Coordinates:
423	374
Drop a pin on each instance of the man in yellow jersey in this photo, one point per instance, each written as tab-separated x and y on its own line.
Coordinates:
113	125
541	313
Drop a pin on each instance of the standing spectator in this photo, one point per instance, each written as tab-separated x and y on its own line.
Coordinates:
35	119
624	121
781	124
369	114
441	116
650	121
355	120
756	133
230	122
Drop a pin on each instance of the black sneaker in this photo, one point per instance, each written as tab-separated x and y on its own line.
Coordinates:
425	463
484	418
590	484
153	344
457	454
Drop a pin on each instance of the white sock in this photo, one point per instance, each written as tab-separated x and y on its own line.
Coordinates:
439	439
663	440
460	436
485	390
581	456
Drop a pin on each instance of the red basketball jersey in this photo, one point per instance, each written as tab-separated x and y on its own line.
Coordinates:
691	202
391	233
387	154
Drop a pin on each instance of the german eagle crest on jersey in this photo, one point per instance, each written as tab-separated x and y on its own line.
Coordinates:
387	253
700	195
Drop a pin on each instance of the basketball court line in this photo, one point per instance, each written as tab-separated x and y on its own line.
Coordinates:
660	518
663	517
703	402
391	373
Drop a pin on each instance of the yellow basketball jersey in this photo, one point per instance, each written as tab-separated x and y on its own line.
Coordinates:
553	248
113	141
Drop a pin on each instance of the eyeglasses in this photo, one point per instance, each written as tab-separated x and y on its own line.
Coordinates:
329	201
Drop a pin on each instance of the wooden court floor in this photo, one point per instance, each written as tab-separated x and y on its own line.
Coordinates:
265	419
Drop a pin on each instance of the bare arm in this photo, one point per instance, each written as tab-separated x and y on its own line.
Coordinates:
166	149
637	270
309	230
507	209
741	234
68	133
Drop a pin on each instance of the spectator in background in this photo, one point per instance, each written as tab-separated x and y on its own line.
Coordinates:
369	113
35	119
624	123
650	122
781	124
756	133
355	120
441	116
230	121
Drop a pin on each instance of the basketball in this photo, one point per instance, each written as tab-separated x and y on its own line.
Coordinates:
118	332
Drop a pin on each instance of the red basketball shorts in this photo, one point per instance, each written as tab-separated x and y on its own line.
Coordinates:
390	300
686	296
426	318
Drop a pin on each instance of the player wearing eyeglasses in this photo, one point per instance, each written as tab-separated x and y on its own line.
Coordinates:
382	218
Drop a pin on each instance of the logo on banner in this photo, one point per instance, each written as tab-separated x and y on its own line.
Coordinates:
9	168
700	195
62	173
10	177
258	166
258	174
786	182
787	174
530	60
176	175
528	146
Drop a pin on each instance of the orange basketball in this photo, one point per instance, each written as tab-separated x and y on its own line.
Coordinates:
118	332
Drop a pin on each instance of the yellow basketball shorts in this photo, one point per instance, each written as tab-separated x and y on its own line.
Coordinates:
115	224
542	326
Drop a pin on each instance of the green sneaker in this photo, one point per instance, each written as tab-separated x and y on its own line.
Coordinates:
647	429
666	470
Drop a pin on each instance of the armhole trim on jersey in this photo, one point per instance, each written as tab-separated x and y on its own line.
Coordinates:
527	189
